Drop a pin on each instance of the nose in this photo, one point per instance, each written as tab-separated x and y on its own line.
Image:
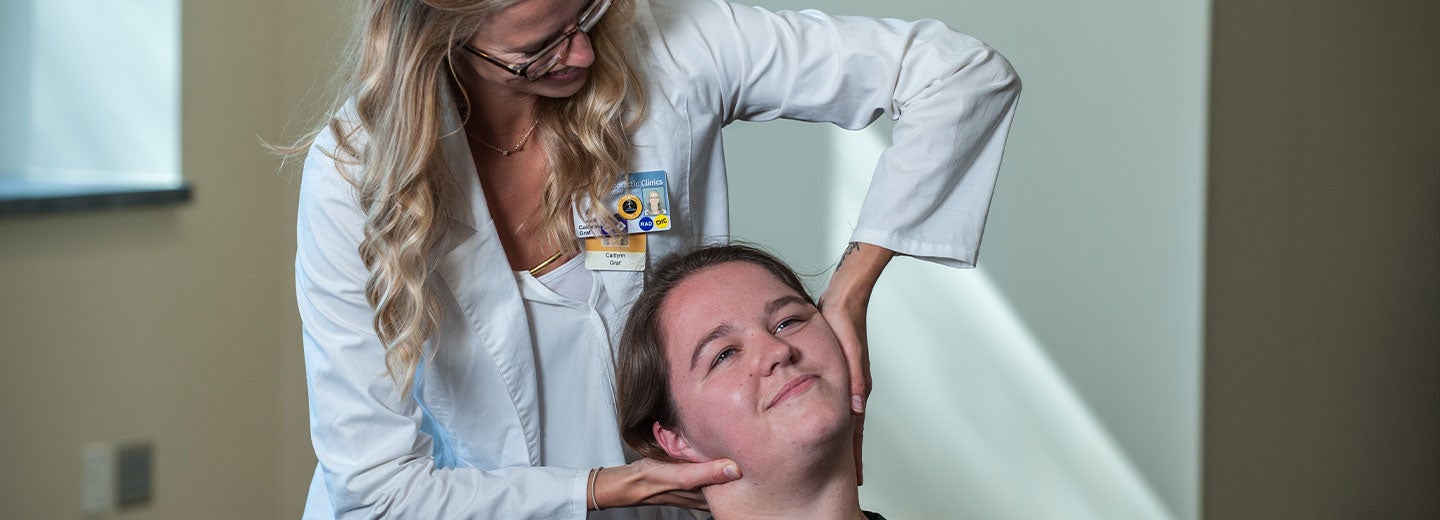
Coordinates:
775	353
579	53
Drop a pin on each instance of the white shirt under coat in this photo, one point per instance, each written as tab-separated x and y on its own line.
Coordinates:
472	440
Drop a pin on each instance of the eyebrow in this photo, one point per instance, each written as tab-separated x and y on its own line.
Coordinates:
782	301
716	333
724	329
551	36
526	48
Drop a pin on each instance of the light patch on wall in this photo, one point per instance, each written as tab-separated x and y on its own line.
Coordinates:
971	419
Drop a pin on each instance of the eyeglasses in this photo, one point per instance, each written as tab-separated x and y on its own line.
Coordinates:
543	61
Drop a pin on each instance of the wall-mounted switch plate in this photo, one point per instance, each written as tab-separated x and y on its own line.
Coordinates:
116	476
97	463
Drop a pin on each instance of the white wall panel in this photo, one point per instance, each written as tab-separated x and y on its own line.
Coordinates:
1060	379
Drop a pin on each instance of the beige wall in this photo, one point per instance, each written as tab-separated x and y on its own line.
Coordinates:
177	324
174	324
1323	262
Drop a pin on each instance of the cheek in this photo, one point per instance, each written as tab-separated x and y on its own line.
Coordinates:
822	346
737	400
717	417
722	405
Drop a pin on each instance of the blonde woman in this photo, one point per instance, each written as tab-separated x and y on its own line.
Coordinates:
458	350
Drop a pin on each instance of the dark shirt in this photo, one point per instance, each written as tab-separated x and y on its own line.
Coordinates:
868	515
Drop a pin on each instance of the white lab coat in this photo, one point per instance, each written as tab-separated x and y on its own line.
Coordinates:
466	444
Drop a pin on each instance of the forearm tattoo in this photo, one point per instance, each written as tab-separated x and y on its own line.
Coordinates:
853	247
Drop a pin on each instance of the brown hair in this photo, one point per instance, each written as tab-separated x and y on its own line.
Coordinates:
642	376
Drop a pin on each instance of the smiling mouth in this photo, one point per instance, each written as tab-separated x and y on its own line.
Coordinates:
793	388
565	74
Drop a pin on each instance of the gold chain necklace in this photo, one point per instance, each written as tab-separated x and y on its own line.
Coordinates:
504	152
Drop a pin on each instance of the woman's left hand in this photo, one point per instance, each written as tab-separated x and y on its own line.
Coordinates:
652	482
844	305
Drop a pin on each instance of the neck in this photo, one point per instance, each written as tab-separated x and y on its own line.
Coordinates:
496	114
822	486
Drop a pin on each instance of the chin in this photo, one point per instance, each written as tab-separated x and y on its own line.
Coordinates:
798	445
821	426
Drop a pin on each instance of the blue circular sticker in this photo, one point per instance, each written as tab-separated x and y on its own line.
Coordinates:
646	223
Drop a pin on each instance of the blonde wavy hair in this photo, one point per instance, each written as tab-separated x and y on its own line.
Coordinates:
402	56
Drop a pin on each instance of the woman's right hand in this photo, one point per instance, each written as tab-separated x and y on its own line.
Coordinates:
651	482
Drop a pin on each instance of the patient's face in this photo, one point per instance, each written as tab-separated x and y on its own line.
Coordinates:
755	372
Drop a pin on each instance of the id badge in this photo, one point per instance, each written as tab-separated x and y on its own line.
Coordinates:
615	253
641	202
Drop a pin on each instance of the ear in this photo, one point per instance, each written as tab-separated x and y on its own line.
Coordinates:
675	444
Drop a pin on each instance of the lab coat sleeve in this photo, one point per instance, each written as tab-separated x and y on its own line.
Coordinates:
375	460
952	96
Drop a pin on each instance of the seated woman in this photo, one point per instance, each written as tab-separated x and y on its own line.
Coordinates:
726	356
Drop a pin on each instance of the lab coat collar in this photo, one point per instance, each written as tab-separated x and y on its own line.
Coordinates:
473	265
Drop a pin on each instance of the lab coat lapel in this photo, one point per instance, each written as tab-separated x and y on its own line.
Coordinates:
478	274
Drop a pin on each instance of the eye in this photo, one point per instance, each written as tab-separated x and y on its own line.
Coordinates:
787	323
530	52
723	355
